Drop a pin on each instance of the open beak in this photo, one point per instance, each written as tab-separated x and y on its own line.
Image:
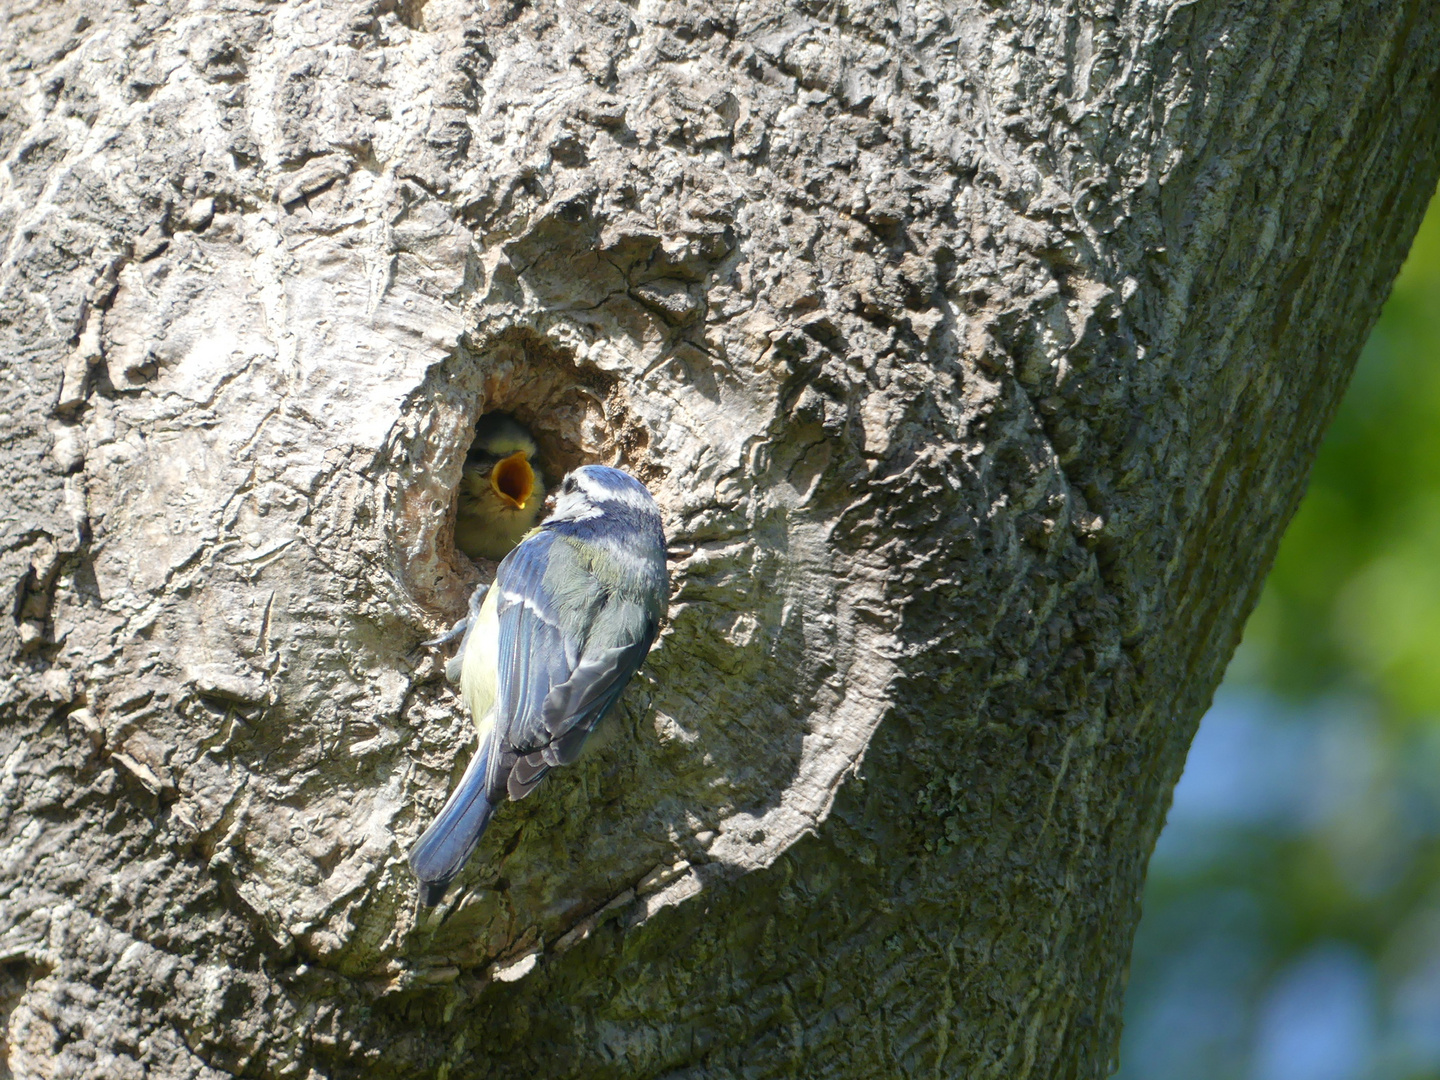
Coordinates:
513	480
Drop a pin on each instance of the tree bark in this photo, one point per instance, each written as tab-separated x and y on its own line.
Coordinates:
976	354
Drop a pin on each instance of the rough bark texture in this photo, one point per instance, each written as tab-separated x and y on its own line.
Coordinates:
975	352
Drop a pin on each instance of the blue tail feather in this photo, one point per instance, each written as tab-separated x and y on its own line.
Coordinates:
443	848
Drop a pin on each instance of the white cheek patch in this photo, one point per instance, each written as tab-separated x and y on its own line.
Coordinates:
574	507
586	483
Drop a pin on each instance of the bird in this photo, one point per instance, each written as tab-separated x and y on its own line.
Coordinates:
501	488
547	649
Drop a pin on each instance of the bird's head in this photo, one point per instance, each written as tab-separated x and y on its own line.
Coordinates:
592	490
513	480
502	453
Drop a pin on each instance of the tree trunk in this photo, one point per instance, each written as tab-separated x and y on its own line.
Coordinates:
976	357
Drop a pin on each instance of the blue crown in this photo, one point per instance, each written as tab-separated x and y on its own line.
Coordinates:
609	480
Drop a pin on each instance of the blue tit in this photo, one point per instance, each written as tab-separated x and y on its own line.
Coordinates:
501	490
572	613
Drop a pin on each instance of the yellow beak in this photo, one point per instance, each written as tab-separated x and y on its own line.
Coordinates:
513	480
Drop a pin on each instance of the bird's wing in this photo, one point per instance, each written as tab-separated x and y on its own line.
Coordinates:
550	696
573	708
534	652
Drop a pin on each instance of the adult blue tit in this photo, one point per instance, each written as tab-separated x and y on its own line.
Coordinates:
572	613
501	489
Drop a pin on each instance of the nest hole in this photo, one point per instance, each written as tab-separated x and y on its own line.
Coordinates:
575	413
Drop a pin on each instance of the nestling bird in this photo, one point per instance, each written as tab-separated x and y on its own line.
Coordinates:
572	613
501	489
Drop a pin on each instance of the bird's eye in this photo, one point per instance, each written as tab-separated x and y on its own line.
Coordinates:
568	487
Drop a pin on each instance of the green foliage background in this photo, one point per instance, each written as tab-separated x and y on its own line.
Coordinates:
1352	601
1292	916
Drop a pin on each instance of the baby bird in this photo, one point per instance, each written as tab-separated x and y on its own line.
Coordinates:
501	490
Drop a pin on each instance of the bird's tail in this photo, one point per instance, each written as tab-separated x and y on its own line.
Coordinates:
440	853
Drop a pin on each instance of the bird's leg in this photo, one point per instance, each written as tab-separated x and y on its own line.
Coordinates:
453	634
458	631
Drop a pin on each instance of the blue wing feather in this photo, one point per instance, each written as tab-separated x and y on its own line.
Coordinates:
577	705
535	650
573	708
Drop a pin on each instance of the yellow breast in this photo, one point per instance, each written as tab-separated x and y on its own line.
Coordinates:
478	676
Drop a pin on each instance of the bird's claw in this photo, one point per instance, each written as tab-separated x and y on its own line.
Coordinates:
455	633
